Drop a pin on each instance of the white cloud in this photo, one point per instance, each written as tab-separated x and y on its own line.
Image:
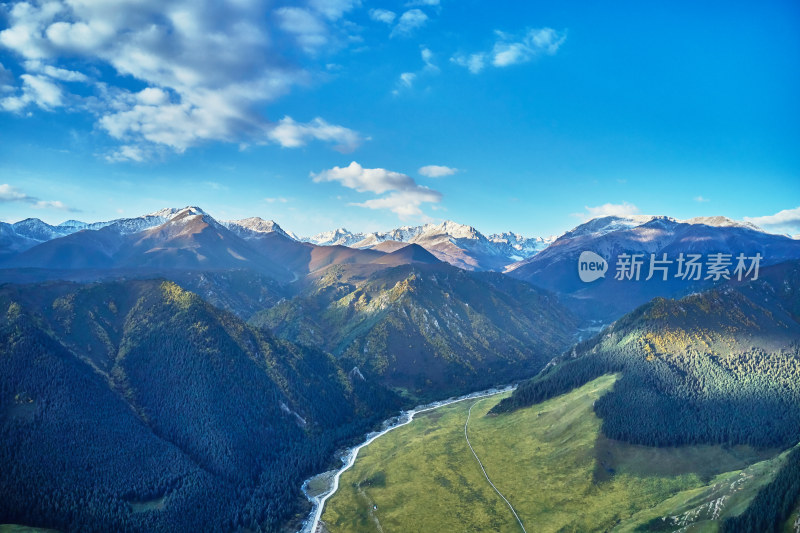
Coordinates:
536	42
37	90
473	62
333	9
437	171
61	74
422	3
786	221
9	193
152	96
409	21
311	33
209	68
79	37
377	180
405	195
291	134
427	57
701	199
382	15
274	200
407	78
54	204
42	91
606	210
405	204
127	152
27	20
12	194
510	50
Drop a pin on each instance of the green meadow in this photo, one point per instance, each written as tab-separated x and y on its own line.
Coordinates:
552	463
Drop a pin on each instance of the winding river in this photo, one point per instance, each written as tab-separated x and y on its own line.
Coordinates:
311	523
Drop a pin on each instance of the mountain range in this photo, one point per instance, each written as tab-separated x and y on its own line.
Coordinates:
607	298
179	239
156	362
457	244
360	304
460	245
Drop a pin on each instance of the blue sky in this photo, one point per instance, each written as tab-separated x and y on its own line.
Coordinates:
523	116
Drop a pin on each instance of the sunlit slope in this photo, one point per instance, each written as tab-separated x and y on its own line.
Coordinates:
718	367
552	463
431	329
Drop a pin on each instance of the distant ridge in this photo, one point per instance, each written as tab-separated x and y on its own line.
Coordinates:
458	244
410	253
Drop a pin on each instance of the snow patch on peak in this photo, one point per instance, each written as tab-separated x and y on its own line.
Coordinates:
443	238
127	226
172	212
720	221
337	237
189	210
520	247
254	227
39	231
453	229
73	224
167	212
602	225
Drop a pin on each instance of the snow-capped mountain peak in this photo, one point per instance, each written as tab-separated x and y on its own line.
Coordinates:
37	230
452	229
73	224
401	234
520	247
337	237
172	212
254	226
459	244
720	221
602	225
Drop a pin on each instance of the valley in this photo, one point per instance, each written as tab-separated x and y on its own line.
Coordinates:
552	463
240	360
321	487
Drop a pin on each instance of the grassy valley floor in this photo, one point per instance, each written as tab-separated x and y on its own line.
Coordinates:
552	463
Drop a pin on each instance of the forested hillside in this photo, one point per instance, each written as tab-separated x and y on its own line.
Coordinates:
773	504
432	329
722	366
120	399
